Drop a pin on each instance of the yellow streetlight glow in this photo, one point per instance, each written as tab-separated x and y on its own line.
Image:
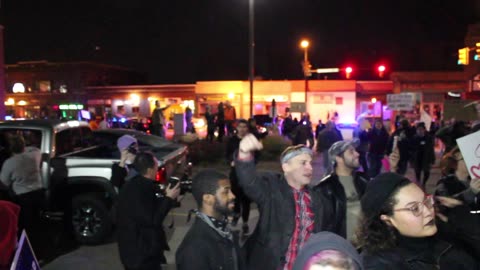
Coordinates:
304	44
231	95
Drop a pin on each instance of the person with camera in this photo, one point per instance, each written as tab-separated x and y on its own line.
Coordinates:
140	214
290	210
128	147
209	244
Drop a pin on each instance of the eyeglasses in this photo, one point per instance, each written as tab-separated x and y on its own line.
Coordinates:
417	207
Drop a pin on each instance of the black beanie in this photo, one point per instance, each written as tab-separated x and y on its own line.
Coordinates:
379	189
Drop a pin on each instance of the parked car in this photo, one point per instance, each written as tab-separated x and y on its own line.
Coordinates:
76	169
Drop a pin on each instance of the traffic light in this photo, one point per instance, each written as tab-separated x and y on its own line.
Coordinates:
381	70
348	72
477	52
463	56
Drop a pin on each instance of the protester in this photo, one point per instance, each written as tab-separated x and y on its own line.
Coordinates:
210	118
449	134
158	119
361	133
242	202
320	127
230	117
378	137
456	180
423	154
290	211
104	122
328	251
326	138
404	134
9	213
209	244
141	211
398	230
220	121
122	171
21	175
343	185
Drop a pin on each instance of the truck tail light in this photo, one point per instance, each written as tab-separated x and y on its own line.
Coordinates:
161	176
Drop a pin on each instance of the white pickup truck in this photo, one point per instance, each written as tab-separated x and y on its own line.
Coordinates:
76	169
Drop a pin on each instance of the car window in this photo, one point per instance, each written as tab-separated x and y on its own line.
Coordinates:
63	142
32	137
87	137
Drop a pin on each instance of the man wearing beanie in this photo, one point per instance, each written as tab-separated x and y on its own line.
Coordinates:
344	186
290	211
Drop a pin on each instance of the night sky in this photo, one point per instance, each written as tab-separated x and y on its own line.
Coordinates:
183	41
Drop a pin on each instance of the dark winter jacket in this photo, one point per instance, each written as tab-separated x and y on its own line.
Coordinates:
267	247
332	189
440	255
450	186
203	248
378	141
362	136
118	175
140	214
326	138
428	154
405	136
326	241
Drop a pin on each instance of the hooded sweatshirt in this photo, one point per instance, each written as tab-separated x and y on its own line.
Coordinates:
326	241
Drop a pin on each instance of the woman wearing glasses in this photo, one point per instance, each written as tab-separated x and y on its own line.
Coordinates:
399	228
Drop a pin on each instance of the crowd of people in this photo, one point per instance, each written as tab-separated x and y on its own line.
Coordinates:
359	215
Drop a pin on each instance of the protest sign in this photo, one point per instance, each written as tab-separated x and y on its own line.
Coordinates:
470	147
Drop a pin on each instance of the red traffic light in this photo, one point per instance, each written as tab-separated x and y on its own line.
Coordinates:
381	68
348	71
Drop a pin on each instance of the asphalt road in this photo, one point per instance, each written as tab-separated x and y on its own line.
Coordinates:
69	256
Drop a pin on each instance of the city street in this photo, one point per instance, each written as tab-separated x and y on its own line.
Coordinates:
106	256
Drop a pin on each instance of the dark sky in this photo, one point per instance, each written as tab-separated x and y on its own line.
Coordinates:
183	41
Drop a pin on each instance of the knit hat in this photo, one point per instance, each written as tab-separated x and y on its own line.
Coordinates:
379	190
326	241
125	141
337	149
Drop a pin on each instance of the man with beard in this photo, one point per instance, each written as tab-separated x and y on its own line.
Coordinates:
209	244
343	185
290	211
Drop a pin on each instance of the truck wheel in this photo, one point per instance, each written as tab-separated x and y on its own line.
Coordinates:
91	220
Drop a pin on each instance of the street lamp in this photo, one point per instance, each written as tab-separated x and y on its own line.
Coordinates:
306	66
251	45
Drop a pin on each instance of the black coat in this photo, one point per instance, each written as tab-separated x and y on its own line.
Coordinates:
426	157
332	189
140	214
378	141
267	247
205	249
445	256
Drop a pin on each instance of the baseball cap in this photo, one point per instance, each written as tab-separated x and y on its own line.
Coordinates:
338	148
125	141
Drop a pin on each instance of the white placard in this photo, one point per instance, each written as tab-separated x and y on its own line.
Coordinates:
470	147
401	102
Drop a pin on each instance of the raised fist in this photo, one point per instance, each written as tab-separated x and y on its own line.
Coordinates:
249	144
